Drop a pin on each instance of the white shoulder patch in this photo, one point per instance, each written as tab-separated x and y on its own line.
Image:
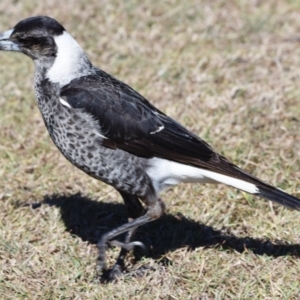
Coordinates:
101	135
64	103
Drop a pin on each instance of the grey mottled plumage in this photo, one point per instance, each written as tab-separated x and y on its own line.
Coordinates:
112	133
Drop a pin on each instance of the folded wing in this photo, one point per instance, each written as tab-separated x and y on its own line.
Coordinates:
129	122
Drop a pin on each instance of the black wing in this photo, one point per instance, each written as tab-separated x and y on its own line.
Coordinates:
131	123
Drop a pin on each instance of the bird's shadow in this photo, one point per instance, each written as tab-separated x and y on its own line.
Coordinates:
89	219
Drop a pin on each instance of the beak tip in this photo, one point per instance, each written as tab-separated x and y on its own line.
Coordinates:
6	44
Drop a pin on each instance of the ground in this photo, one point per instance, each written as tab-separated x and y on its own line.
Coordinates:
227	70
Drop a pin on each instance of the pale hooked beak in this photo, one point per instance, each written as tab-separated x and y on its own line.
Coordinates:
6	44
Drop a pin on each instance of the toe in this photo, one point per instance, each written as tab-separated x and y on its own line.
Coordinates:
115	273
127	246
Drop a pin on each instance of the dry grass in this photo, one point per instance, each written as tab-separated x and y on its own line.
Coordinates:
228	70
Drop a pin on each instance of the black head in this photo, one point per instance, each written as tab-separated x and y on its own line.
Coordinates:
40	26
33	37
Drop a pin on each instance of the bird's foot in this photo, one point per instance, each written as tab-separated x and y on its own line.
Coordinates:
111	275
117	270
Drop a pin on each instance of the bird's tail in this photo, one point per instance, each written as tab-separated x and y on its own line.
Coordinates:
276	195
221	171
250	184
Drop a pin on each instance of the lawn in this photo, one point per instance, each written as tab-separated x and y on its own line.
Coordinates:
229	71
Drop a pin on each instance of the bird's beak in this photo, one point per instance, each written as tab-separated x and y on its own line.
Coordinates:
6	43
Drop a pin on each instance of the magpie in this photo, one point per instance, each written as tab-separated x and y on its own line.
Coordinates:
112	133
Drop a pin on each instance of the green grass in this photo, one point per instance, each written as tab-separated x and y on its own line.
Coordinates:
229	71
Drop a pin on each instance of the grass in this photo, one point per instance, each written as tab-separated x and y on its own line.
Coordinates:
229	71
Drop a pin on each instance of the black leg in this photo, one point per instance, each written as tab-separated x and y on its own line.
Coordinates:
134	209
155	209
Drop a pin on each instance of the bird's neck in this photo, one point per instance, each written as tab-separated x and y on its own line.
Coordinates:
47	93
69	63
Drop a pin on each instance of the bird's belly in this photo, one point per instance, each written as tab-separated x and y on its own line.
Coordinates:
81	144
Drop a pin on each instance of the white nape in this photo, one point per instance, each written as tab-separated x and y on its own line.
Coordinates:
166	173
69	61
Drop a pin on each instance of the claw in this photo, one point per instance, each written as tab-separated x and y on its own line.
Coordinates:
100	268
115	273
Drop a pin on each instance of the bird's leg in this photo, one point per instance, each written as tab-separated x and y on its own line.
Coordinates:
134	209
155	209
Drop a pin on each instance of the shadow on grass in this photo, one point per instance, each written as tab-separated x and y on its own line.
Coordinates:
89	219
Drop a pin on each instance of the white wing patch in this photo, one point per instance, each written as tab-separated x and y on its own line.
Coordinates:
160	128
64	103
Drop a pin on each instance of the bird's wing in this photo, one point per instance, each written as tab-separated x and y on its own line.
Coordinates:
130	122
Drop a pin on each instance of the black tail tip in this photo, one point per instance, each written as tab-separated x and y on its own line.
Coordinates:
279	196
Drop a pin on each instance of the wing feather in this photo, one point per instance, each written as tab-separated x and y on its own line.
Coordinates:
130	122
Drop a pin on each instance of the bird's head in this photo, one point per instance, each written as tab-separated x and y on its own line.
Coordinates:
34	37
50	46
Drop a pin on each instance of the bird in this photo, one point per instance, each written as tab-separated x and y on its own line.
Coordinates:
111	132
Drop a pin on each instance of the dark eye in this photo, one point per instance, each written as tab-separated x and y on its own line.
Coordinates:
27	41
44	46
